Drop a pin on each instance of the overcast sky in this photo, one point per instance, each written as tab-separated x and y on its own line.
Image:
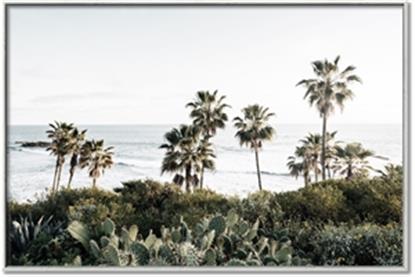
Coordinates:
141	65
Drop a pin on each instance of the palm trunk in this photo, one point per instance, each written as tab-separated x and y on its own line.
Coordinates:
257	168
349	172
71	173
328	171
188	177
323	148
306	178
94	182
201	176
73	163
59	176
316	175
55	175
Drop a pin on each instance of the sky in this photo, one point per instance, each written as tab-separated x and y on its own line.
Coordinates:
141	65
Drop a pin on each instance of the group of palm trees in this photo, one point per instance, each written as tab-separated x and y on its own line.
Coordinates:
319	153
68	140
348	160
189	151
188	148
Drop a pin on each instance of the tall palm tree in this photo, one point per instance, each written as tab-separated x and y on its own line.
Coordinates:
186	154
97	158
352	159
253	129
59	147
76	139
331	87
208	114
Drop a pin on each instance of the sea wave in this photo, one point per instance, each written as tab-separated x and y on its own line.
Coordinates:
134	163
254	172
35	150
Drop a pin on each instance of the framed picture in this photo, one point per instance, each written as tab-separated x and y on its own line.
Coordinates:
214	137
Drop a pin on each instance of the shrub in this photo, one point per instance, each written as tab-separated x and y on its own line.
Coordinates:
366	244
376	200
315	202
262	206
58	205
163	204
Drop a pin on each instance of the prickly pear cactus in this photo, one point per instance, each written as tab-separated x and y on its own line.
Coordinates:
95	250
108	227
112	255
79	232
207	240
218	223
210	257
236	262
217	240
141	253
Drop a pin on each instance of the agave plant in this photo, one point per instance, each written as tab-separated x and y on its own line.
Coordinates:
330	88
253	129
96	157
24	231
209	115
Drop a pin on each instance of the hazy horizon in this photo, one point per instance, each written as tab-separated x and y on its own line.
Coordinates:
141	65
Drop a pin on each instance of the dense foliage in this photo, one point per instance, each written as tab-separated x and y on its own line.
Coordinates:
335	222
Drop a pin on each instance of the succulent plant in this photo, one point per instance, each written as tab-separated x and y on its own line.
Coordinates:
218	223
217	240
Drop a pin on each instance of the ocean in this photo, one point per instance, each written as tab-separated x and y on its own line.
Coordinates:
137	156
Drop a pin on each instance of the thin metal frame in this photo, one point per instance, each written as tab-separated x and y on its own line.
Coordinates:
232	270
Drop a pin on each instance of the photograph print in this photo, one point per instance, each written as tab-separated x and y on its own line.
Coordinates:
208	137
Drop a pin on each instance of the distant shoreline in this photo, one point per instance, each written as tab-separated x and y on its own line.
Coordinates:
175	124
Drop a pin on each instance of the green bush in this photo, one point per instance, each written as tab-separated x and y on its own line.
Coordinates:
315	202
163	204
58	205
366	244
360	200
262	206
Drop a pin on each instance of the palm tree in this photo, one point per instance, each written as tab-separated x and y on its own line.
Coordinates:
186	154
59	147
97	158
312	149
208	114
328	89
253	129
351	159
330	153
207	156
300	164
76	140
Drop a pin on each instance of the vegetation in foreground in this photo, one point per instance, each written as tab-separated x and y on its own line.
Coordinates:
333	222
